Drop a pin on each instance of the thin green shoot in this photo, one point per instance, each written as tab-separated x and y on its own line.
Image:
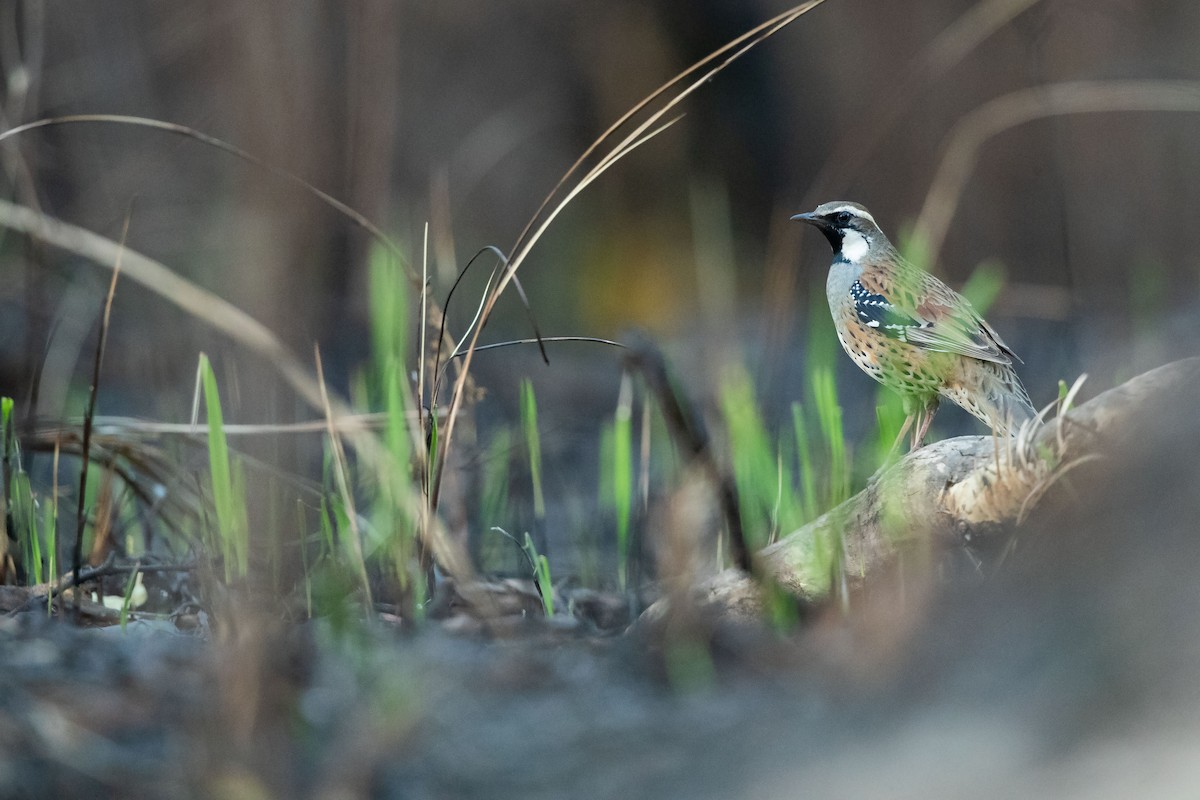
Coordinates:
393	523
389	347
541	574
533	446
6	457
622	476
127	601
605	493
539	567
422	366
389	315
431	462
779	490
23	511
20	505
227	482
51	530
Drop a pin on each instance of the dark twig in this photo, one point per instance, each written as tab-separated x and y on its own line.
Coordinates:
89	415
691	437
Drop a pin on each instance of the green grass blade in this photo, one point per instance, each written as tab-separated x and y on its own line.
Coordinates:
127	601
533	445
23	512
228	484
389	315
541	574
622	476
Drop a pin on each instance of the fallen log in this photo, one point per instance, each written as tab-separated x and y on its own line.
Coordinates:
956	493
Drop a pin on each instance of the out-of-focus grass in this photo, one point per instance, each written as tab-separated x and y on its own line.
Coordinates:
495	504
393	531
762	472
21	509
227	483
786	472
541	574
621	474
127	598
533	446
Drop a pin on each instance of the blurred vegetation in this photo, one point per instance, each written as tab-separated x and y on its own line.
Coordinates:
387	108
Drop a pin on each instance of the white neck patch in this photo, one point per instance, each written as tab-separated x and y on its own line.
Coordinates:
854	246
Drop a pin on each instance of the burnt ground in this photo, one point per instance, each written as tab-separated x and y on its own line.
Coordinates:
1070	668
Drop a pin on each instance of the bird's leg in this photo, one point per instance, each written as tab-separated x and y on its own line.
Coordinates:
908	421
925	417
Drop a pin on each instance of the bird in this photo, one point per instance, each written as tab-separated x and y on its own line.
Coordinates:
913	333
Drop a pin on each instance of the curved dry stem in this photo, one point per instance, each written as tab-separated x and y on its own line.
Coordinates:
430	311
640	134
947	50
212	141
971	132
771	25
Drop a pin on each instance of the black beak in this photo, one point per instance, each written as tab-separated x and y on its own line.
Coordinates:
812	219
832	235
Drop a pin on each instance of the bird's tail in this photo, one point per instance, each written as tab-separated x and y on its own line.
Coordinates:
994	394
1006	405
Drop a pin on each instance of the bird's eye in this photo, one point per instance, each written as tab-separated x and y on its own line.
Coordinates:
842	218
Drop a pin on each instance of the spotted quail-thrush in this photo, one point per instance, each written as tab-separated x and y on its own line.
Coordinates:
911	332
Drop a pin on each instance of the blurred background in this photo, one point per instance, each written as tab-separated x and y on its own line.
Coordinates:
462	115
1049	146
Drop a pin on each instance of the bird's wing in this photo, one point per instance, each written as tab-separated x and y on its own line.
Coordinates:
933	316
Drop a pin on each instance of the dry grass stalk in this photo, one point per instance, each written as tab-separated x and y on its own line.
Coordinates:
971	132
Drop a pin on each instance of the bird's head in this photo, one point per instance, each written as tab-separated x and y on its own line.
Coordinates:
850	228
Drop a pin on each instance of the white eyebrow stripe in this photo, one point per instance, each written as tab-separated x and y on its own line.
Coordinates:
856	211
